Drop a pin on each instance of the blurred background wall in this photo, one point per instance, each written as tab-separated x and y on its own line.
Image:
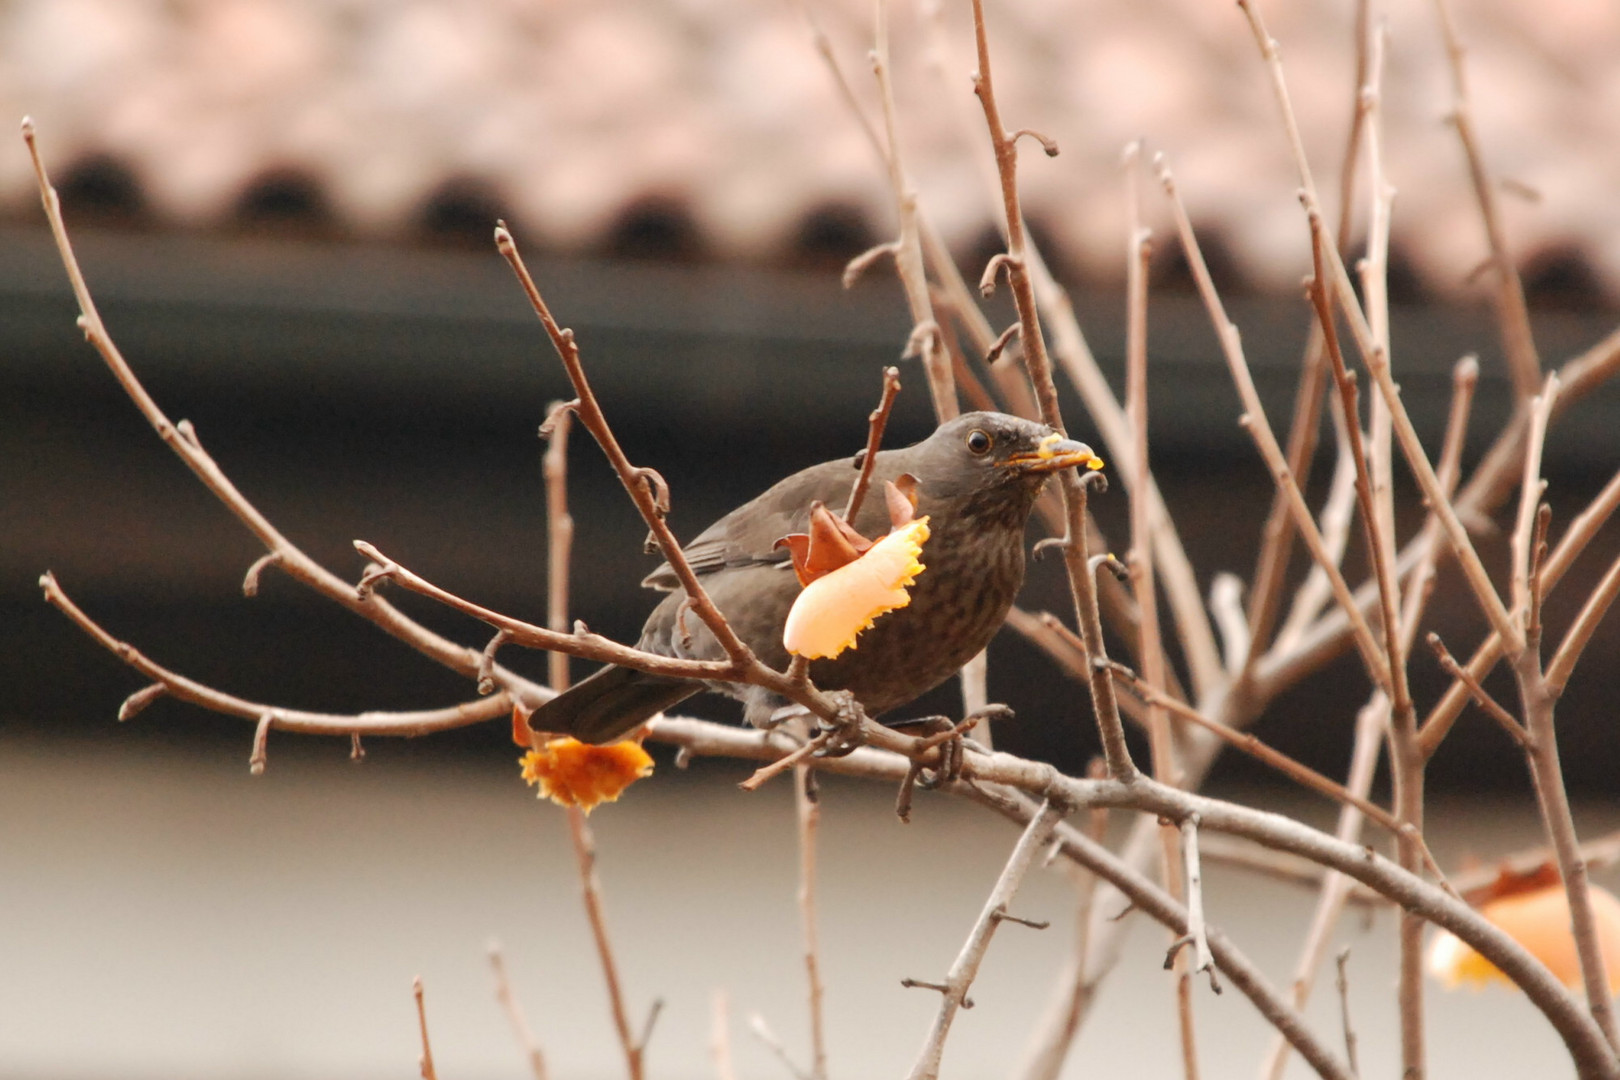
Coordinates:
284	210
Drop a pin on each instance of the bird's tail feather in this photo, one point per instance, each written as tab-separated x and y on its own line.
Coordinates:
611	702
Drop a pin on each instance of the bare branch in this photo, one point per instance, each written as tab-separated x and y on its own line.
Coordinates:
1580	533
763	1032
809	820
261	738
182	440
514	1014
1342	984
1197	934
425	1061
419	722
908	256
644	486
1518	344
1530	492
1490	705
876	422
1254	420
1581	630
581	642
954	990
137	702
1250	744
559	535
579	832
1081	584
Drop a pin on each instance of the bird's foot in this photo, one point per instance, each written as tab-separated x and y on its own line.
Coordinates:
941	733
949	738
846	726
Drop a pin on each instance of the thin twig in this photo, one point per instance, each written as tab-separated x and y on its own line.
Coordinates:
175	685
1518	344
1531	490
1342	984
908	257
953	992
1581	630
1337	518
808	813
1375	358
514	1014
1334	890
762	1031
559	540
1271	566
1482	698
1251	744
1259	428
580	643
1197	934
182	439
425	1060
1151	647
1406	757
1588	1047
584	842
1073	355
1082	585
781	765
720	1035
1464	381
876	422
644	486
1580	533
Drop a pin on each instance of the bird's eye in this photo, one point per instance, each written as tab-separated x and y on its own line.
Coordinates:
979	442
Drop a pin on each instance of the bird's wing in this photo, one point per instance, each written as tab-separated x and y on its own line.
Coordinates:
745	537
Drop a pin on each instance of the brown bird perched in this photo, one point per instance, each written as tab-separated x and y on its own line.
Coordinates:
977	478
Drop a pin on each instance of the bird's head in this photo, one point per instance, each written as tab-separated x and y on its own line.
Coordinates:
984	452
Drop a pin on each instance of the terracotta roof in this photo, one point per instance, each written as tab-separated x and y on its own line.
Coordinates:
711	127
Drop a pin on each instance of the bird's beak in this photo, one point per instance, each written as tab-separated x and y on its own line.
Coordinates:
1053	453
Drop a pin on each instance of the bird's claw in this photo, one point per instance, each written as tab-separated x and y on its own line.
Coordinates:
941	733
845	728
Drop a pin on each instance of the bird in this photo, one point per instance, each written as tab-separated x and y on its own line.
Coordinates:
977	478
